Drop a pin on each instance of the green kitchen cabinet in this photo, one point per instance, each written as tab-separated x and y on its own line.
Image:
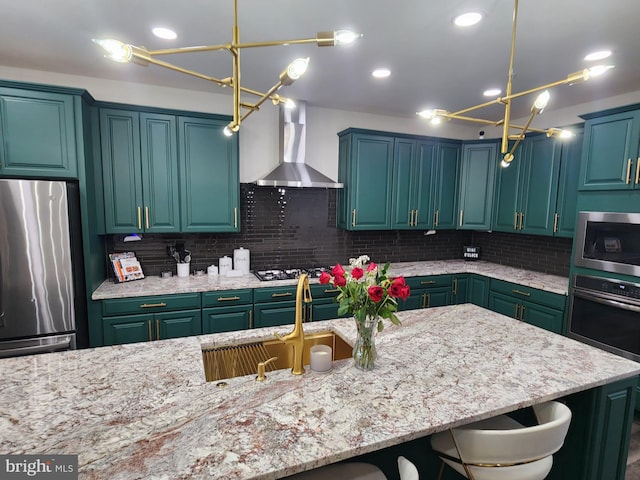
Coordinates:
365	166
140	319
227	310
567	201
323	305
536	307
610	156
275	306
209	176
445	182
412	179
427	291
38	133
476	185
478	290
459	289
140	171
526	191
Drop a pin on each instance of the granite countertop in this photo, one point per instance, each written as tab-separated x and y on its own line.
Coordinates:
145	411
203	283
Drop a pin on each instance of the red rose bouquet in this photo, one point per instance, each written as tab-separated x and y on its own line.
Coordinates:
366	291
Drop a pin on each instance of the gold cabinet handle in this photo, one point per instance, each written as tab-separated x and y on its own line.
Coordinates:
332	290
461	217
521	220
629	162
235	217
150	334
415	218
428	300
139	219
424	300
555	222
455	286
228	299
435	224
146	217
526	294
427	282
521	312
153	305
157	329
515	220
411	218
638	171
250	318
276	295
353	217
515	315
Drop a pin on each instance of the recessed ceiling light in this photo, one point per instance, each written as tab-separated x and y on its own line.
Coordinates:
492	92
381	73
599	55
467	19
164	32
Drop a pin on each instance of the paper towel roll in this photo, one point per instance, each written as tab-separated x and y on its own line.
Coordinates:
241	260
225	264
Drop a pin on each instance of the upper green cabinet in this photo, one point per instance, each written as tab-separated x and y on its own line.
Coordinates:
140	171
537	193
610	157
396	181
209	176
366	169
165	173
526	191
476	185
412	179
38	133
445	182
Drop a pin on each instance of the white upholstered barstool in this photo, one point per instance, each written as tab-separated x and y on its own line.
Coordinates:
500	448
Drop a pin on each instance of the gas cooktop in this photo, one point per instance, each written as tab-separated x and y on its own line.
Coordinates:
288	274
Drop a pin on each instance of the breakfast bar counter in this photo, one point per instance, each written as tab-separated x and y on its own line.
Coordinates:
144	410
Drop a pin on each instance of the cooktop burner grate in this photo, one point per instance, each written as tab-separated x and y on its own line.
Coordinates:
289	274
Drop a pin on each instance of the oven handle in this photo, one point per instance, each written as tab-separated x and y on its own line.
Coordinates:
603	299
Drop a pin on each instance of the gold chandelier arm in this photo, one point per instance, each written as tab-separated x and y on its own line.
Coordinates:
470	119
263	98
522	132
170	66
276	43
195	49
477	107
507	99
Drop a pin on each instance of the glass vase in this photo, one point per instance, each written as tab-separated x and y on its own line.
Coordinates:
364	350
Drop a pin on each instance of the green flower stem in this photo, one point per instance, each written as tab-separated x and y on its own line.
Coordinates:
364	350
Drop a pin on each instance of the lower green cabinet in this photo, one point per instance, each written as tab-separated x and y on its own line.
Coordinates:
274	306
478	290
324	306
429	291
142	319
459	289
536	307
227	310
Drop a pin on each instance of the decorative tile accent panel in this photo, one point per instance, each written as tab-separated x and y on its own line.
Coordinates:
531	252
296	227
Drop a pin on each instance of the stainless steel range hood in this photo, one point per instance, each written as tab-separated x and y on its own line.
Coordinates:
292	170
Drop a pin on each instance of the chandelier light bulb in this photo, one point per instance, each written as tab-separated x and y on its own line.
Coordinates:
541	102
428	114
598	70
436	120
297	68
566	133
289	104
227	131
345	37
116	50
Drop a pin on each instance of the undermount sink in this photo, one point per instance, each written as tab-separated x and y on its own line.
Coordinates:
238	360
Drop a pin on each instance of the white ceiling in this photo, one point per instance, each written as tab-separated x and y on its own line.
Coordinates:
433	63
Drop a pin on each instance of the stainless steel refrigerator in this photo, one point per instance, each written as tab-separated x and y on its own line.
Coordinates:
37	297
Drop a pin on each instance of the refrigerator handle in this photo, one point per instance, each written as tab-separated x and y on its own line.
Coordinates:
50	347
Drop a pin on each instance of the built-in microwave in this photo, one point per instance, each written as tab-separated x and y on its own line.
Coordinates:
608	242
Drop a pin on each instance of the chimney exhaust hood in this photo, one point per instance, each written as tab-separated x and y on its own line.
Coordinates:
292	170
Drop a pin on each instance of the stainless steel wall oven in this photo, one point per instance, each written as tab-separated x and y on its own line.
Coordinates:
605	313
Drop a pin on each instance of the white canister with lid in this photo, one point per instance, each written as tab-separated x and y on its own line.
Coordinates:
225	264
241	260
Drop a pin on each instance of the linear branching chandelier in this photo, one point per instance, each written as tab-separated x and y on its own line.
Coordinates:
121	52
436	115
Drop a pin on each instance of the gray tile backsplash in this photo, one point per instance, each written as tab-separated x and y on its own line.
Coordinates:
296	227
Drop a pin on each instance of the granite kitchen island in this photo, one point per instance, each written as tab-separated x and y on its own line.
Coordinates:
144	410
